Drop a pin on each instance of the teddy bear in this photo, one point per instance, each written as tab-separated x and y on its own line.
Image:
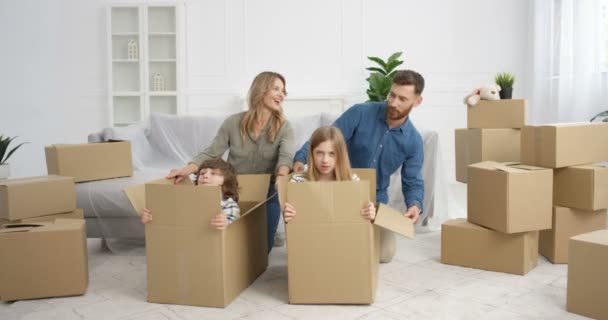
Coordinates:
489	92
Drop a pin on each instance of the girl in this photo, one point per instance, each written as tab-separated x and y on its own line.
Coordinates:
259	140
216	172
330	162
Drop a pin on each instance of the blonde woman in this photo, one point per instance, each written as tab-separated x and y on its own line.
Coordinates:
259	140
330	162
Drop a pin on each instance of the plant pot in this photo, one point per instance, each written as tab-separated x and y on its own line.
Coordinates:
5	171
506	93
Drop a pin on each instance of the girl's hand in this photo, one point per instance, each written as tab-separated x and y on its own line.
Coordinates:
146	216
369	211
289	212
219	221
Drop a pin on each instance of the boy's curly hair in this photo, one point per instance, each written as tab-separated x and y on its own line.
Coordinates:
230	188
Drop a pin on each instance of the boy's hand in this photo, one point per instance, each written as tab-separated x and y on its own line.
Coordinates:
289	212
219	221
369	211
146	215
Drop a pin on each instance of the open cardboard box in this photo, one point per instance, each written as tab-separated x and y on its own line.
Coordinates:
332	251
189	262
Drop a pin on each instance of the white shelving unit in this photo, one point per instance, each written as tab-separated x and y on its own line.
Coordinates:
154	29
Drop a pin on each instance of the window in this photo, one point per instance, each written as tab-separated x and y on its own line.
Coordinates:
604	36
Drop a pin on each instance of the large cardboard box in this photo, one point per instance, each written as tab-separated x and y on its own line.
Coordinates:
90	161
568	222
333	252
509	113
510	198
36	196
469	245
76	214
477	145
564	144
192	263
587	276
43	259
582	187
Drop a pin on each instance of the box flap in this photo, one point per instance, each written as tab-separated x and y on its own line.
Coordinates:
511	167
600	237
368	175
137	194
391	219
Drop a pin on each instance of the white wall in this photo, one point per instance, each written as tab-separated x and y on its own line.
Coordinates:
53	58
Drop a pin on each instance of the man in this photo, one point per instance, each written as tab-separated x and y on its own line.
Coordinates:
380	135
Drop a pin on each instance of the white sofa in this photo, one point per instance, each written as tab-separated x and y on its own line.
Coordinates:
165	141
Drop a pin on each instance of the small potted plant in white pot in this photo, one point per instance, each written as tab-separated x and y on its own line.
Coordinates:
6	153
505	80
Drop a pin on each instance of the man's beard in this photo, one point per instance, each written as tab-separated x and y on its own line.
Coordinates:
394	114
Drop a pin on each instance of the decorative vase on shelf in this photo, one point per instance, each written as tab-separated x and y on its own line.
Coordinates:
132	52
158	82
5	171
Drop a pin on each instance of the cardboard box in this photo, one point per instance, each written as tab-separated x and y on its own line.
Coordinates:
587	276
510	198
568	222
76	214
564	144
90	161
189	261
333	252
36	196
582	187
510	113
469	245
477	145
43	259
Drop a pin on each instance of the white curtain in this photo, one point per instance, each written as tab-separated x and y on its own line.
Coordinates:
569	81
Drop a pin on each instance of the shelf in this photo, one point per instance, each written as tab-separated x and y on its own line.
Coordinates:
125	61
126	93
161	34
162	60
125	34
162	93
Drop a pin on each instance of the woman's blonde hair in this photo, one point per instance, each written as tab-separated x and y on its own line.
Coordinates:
262	83
343	171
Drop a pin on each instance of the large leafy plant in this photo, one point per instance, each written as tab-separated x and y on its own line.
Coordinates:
5	153
381	77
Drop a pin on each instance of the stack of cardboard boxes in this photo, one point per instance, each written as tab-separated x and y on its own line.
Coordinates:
507	202
42	239
580	197
42	233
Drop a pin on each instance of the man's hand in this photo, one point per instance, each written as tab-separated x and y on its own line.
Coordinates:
298	166
180	174
146	216
413	213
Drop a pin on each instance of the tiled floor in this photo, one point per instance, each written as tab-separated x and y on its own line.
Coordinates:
415	285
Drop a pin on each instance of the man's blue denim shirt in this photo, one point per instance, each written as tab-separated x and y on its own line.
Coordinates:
371	144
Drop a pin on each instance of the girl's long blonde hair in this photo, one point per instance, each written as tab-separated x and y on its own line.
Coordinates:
343	171
262	83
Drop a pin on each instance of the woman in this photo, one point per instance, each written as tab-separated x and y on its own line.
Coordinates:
259	140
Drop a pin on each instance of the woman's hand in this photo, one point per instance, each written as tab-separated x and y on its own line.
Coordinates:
146	216
369	211
219	221
180	174
289	212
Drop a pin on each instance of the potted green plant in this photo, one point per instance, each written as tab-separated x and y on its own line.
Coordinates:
381	78
505	80
6	153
